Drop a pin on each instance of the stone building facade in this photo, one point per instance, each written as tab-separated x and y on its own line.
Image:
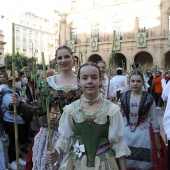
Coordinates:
141	26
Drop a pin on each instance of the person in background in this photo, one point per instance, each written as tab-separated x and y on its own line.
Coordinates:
104	79
3	87
158	89
166	122
117	84
2	156
141	127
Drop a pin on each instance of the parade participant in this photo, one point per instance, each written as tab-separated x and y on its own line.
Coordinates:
104	79
166	124
158	89
117	83
63	90
3	87
141	126
88	125
8	121
2	156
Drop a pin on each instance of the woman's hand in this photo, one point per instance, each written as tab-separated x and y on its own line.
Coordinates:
157	142
15	99
52	157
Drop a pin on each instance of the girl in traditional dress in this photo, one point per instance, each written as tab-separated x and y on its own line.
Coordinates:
91	129
141	126
63	90
104	79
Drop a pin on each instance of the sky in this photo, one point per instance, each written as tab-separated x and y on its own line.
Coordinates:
44	8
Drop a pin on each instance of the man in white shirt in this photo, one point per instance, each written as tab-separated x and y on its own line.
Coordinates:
117	83
166	125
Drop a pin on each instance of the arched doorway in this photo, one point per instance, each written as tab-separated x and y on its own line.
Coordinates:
144	59
120	61
95	58
167	61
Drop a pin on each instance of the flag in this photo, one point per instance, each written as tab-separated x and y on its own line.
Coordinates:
141	39
116	43
93	44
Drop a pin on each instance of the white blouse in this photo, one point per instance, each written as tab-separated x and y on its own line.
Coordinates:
116	127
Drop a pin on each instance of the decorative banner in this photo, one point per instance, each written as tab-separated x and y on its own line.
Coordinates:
116	43
169	38
141	39
94	44
71	45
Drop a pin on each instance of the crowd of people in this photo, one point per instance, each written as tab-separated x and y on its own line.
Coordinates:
97	122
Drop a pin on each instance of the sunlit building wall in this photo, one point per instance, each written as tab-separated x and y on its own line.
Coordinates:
33	35
98	18
2	43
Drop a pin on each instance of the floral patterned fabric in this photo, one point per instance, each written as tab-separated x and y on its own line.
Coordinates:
59	97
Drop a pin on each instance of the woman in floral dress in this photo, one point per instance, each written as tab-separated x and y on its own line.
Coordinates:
91	129
63	90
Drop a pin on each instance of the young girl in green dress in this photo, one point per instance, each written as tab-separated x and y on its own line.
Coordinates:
91	129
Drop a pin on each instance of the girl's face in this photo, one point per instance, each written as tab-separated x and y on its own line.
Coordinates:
89	80
64	59
102	67
136	83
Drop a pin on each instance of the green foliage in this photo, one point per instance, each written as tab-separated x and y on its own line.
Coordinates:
22	59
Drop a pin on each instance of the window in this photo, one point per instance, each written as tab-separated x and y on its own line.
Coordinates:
17	38
17	29
73	5
24	33
95	31
118	28
73	34
24	40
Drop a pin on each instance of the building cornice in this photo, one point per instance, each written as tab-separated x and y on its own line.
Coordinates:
100	7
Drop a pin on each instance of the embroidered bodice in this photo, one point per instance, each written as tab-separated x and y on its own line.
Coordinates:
59	97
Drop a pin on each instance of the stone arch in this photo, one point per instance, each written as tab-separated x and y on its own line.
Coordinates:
95	58
167	60
72	25
144	58
120	61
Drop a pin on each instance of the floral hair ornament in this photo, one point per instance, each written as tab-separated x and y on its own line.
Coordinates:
78	149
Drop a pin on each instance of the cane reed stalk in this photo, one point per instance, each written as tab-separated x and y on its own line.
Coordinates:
14	91
47	107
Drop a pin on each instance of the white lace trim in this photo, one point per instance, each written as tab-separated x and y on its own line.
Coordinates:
106	108
52	83
41	147
121	149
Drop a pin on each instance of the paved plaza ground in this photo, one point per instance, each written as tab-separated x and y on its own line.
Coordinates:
160	118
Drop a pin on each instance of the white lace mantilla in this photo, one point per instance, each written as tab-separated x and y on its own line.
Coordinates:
52	83
79	115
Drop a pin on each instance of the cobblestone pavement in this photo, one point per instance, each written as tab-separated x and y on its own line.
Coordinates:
160	118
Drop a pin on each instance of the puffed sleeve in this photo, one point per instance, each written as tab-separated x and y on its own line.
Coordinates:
66	129
116	134
166	119
154	118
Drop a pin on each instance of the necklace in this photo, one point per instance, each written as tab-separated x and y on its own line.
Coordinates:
91	101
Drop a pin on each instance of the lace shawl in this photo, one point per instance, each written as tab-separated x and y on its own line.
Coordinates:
144	105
